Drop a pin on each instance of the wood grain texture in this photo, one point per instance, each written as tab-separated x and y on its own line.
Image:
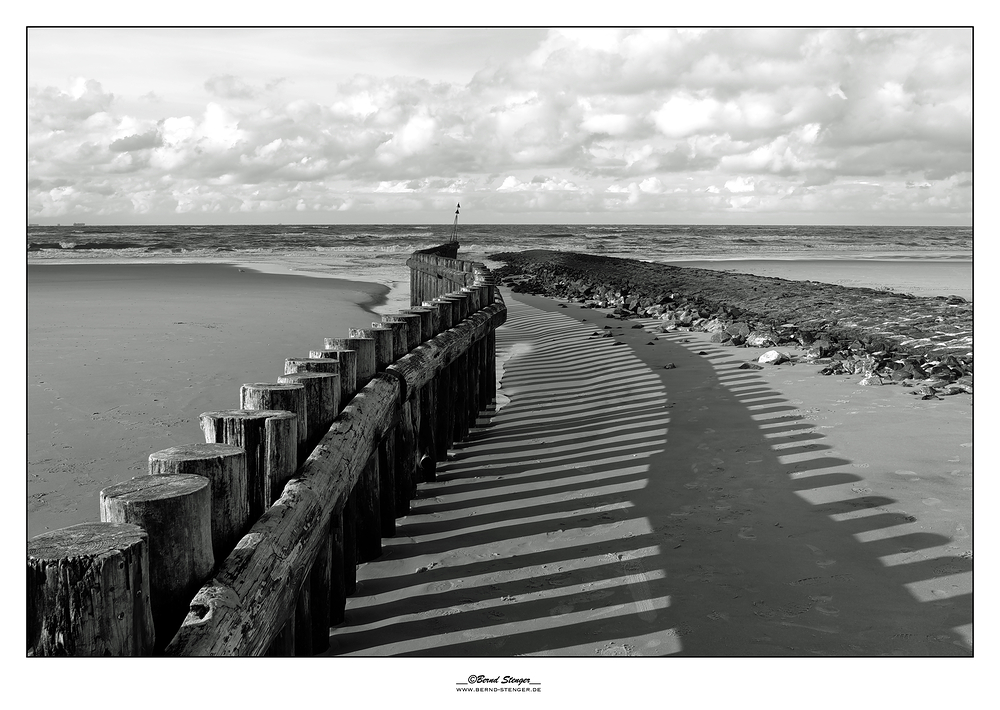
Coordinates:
176	513
225	467
88	592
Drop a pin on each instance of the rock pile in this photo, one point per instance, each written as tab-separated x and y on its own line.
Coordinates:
885	337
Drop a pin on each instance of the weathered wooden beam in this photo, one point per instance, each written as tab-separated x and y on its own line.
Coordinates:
243	608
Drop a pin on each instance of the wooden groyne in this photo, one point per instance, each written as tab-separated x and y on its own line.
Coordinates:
247	544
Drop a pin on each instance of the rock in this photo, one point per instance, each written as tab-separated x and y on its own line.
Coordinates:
637	325
772	357
750	366
871	381
669	366
721	337
866	366
761	339
738	329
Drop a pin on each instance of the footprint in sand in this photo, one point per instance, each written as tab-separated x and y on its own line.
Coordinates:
746	533
822	605
818	552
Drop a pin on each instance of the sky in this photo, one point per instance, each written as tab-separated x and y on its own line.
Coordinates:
519	125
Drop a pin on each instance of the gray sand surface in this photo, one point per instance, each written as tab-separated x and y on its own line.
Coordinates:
611	507
122	358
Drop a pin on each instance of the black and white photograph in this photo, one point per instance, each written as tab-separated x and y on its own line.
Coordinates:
493	344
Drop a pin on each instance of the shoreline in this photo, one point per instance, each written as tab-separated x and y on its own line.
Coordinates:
393	276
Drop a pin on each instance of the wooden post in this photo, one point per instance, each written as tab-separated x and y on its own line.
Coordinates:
319	594
287	398
365	348
437	311
225	466
350	515
369	512
408	328
303	621
414	334
426	321
322	395
385	463
283	645
400	337
368	525
176	513
269	439
88	592
387	482
338	570
382	337
332	363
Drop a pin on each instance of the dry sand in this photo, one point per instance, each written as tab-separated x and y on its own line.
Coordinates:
611	507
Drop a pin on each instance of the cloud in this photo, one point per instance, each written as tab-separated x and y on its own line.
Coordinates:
150	139
227	86
589	120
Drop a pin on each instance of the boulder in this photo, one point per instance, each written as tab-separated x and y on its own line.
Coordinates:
772	357
871	381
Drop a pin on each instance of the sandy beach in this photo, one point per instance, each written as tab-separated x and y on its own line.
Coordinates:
607	507
612	507
123	358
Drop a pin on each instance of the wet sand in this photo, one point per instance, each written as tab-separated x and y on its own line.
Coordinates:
611	507
123	358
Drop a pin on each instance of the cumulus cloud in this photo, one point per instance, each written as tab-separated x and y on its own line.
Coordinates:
592	119
150	139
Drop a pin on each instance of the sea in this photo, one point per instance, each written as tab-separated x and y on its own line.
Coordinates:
657	243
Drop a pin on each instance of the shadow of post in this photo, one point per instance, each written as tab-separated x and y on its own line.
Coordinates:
612	509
